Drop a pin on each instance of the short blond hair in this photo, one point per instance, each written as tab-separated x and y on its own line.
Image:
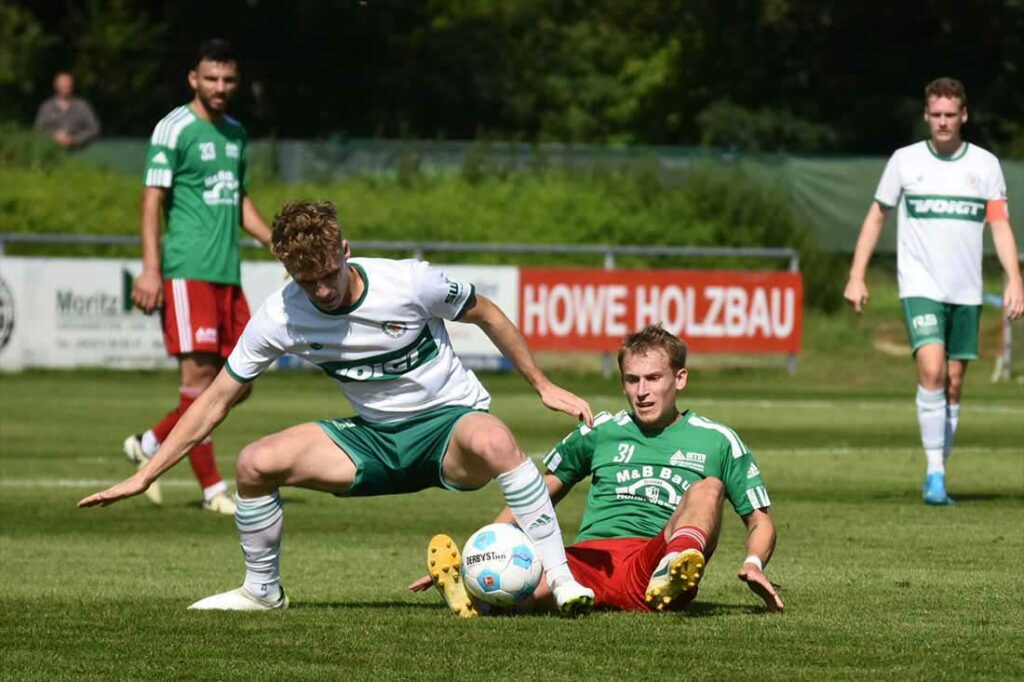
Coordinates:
651	338
306	237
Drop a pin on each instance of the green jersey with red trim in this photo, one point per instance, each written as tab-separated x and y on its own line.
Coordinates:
639	477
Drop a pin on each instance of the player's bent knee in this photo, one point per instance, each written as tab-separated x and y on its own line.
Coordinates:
496	447
258	463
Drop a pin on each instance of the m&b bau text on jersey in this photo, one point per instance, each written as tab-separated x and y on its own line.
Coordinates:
607	310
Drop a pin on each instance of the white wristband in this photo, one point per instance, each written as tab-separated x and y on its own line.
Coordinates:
756	560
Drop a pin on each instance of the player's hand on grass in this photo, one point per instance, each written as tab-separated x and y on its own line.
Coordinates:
557	398
130	487
856	294
761	586
1013	300
420	584
148	291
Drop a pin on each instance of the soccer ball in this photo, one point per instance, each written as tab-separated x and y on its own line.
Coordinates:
500	565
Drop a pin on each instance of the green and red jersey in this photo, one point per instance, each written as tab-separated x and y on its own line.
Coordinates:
639	477
203	165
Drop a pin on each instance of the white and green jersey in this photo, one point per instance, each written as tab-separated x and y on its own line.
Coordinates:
203	165
389	351
942	202
638	478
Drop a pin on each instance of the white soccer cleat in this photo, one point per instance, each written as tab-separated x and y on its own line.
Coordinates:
572	598
222	503
239	600
675	576
137	456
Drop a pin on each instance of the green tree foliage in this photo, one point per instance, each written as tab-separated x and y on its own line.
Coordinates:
22	44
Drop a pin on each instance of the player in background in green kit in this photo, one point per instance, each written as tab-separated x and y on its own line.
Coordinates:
658	476
945	190
195	180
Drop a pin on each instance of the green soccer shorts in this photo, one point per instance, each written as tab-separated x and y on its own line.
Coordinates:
954	326
399	457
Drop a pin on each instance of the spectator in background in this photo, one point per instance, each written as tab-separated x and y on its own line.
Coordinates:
69	120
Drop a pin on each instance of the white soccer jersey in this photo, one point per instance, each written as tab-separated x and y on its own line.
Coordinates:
389	351
942	203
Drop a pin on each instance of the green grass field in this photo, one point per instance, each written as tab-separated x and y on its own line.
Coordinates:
875	583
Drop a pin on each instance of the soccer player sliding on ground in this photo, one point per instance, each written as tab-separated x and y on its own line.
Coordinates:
658	477
377	327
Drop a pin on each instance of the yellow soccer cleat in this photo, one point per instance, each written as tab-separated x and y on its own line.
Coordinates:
675	575
445	568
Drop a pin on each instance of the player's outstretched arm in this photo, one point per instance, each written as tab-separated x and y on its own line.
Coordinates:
760	545
1006	250
199	420
500	330
856	292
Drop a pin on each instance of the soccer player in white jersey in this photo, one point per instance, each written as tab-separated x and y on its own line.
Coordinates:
946	189
377	327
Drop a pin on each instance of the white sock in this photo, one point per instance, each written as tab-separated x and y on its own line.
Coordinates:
952	421
260	523
931	417
528	498
214	490
149	443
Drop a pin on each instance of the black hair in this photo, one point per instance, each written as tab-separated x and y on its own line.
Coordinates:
216	50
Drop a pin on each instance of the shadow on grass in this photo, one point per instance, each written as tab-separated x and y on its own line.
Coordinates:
987	497
696	610
383	605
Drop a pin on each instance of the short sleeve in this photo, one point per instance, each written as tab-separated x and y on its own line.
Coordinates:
571	460
441	295
743	484
161	162
890	187
257	348
995	183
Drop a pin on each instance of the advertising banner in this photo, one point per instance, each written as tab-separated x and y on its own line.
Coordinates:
562	309
73	312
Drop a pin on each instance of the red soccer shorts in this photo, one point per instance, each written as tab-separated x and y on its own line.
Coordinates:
618	570
202	317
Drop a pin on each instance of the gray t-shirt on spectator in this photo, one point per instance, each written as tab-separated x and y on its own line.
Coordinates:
78	119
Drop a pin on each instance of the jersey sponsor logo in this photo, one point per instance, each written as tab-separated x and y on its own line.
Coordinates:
387	366
206	335
221	189
207	151
231	150
394	329
662	487
160	158
753	471
946	208
972	180
689	460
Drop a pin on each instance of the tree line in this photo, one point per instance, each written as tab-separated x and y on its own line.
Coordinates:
793	76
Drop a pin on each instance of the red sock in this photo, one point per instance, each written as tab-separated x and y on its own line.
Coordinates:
687	537
204	466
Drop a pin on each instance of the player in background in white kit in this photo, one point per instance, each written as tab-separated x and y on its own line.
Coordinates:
377	327
946	190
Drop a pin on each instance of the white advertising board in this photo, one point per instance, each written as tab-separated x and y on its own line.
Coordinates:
71	312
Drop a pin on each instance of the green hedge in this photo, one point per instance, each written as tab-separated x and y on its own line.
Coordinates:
45	192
